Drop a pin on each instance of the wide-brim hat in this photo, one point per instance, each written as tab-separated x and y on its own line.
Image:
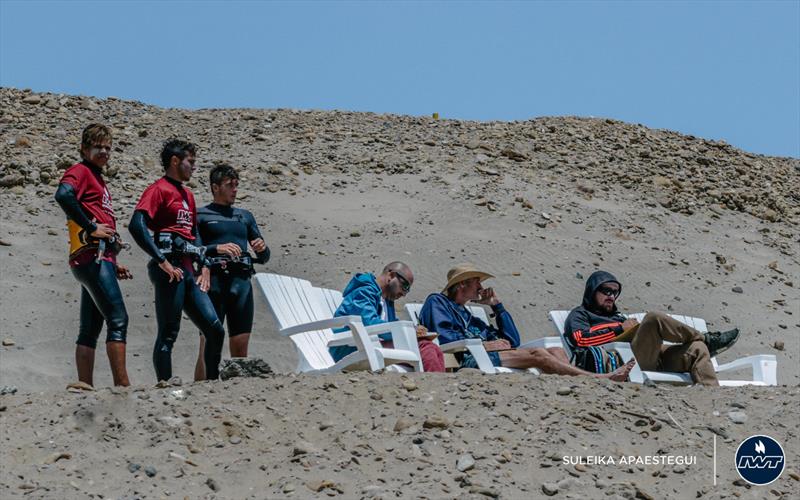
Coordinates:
463	272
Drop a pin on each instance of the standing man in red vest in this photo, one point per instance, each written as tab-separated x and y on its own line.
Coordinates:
94	243
167	208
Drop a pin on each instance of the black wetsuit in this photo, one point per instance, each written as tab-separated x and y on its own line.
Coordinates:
231	291
101	297
171	299
101	300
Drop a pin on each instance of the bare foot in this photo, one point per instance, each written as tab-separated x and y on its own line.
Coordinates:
621	373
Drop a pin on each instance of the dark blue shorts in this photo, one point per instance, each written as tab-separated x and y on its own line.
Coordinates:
467	361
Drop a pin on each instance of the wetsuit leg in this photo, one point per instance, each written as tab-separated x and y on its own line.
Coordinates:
240	305
91	322
218	293
201	311
169	299
105	302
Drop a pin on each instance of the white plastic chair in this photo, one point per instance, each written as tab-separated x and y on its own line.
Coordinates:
764	366
301	313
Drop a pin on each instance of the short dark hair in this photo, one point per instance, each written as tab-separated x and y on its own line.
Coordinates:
95	133
176	147
221	172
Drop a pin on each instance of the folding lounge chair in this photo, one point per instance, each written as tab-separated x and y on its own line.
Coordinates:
475	346
764	366
299	310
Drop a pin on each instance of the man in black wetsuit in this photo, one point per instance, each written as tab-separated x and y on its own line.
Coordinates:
226	232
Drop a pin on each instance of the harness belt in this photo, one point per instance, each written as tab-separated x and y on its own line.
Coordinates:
80	242
175	245
227	264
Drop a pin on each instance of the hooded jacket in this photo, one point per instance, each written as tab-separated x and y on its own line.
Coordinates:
362	297
587	325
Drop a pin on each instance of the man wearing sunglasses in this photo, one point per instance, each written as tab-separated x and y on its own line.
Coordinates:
372	297
597	321
446	314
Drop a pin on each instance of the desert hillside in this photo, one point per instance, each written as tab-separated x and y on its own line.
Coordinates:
689	225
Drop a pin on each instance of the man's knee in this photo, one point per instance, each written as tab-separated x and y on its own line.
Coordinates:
651	325
118	328
214	332
538	354
87	340
654	317
168	337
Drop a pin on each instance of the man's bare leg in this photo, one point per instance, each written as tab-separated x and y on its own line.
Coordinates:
543	360
200	365
116	356
238	345
559	353
84	360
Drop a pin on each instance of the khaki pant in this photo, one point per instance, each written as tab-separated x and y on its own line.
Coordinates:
690	354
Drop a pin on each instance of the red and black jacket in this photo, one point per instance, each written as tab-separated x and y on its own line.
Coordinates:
587	325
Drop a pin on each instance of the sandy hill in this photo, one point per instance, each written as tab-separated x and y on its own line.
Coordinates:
689	225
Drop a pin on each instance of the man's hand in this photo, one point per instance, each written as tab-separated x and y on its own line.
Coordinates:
497	345
174	273
204	280
123	273
230	249
103	231
421	331
629	323
258	245
488	297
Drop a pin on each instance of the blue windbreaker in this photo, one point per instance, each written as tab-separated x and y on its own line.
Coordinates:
362	297
454	322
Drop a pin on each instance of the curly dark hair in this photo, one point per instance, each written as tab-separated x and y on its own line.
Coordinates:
221	172
176	147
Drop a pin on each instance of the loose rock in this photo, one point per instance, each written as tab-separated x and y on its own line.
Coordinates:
549	489
737	417
465	463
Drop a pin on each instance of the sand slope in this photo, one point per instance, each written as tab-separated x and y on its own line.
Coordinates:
689	225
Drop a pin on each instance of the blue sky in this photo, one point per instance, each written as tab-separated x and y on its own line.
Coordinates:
720	70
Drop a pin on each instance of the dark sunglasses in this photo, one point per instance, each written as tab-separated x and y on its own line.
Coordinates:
609	292
404	283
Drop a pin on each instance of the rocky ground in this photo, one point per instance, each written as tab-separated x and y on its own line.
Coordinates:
389	436
689	225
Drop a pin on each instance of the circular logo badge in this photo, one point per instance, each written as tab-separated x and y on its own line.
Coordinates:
760	460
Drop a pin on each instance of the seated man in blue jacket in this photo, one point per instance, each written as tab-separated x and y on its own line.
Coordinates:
445	313
373	298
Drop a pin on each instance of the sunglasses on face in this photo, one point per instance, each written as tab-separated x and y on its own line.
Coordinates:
404	283
609	292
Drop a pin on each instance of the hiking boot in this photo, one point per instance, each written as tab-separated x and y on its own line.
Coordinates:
719	342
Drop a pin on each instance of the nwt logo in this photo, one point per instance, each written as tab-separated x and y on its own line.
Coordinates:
184	218
760	460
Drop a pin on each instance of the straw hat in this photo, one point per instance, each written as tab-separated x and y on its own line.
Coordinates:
463	272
